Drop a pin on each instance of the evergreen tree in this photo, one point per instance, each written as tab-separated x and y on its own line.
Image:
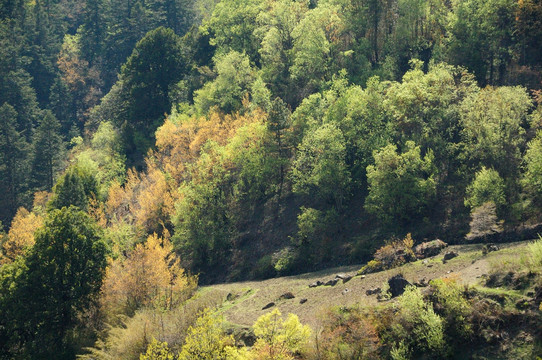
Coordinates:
47	151
139	100
74	189
13	153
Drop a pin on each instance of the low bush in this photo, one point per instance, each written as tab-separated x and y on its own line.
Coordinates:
393	254
347	334
451	304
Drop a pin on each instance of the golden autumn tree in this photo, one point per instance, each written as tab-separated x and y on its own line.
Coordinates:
146	199
21	234
149	276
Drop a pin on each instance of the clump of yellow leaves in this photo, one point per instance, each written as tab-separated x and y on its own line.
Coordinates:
149	276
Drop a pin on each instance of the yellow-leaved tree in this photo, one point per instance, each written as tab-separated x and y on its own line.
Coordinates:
21	235
149	276
207	340
279	339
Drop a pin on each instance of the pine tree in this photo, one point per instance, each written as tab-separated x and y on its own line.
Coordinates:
13	153
47	152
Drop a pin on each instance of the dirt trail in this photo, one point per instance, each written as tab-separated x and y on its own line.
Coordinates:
468	268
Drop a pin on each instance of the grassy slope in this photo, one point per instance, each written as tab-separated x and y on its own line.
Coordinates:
469	268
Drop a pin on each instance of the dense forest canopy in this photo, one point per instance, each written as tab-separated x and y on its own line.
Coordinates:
248	139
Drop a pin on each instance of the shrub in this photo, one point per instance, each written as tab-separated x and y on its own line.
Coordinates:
371	267
535	255
284	261
396	253
347	334
488	186
454	307
264	268
419	326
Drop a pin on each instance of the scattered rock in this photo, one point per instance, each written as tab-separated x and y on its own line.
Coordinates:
340	276
397	285
430	248
231	297
449	255
373	291
362	277
316	284
347	279
425	262
421	283
331	282
286	296
489	248
430	265
449	272
302	301
270	305
345	291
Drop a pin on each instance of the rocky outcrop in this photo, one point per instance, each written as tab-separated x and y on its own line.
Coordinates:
286	296
430	248
370	292
449	255
397	285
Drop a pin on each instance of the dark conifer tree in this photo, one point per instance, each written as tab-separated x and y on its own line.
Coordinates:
13	155
47	152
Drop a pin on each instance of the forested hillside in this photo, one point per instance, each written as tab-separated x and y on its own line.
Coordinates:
146	145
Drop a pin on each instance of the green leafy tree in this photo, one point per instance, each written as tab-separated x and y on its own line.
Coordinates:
313	46
234	77
47	152
231	26
275	33
492	123
204	224
319	168
532	178
401	186
364	119
481	37
425	108
487	186
104	158
60	279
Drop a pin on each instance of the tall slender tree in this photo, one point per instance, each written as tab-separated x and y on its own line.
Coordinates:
47	151
13	154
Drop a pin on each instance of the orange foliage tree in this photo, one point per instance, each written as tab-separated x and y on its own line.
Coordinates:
149	276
